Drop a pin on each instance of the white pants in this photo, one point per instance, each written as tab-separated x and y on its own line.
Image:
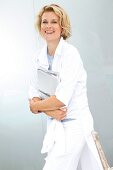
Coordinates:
75	143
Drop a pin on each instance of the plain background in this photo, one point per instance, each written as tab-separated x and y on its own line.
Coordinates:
21	132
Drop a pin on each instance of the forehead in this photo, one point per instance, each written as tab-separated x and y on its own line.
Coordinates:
49	15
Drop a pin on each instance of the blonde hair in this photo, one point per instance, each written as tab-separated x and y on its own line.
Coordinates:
64	19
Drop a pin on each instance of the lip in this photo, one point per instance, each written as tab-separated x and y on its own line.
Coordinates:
49	32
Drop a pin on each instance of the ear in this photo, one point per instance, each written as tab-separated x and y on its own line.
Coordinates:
61	31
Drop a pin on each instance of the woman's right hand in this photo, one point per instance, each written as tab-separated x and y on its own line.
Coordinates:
58	114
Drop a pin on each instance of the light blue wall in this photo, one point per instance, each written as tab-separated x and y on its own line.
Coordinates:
21	133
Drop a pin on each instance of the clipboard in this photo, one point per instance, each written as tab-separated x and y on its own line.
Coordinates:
47	82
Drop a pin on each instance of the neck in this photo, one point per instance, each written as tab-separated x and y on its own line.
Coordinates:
51	47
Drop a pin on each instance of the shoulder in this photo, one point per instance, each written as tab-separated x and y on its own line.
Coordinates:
69	47
35	57
71	53
38	53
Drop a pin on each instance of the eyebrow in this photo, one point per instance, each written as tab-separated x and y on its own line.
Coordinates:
51	19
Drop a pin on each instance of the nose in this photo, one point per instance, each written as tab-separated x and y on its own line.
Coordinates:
49	25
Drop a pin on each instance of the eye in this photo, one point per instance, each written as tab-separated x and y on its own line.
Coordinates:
44	22
54	22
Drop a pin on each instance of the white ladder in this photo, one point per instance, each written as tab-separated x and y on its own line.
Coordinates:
100	151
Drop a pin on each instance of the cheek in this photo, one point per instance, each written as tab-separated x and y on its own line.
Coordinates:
59	30
42	29
42	32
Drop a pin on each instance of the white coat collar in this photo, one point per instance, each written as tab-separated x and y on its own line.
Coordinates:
59	47
43	61
43	54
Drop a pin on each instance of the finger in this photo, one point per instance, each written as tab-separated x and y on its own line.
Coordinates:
63	108
63	117
30	100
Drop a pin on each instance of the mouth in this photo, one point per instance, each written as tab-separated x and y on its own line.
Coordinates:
49	32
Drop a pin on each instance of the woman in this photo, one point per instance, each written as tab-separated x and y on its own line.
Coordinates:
68	140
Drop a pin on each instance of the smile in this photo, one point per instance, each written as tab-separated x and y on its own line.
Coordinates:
49	32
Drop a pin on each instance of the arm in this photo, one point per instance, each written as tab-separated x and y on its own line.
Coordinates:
58	114
33	82
50	103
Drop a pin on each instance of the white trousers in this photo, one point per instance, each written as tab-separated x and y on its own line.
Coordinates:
75	143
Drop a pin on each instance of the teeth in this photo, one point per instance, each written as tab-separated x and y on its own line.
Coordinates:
48	32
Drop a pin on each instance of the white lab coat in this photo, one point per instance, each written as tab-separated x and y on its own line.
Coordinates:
72	92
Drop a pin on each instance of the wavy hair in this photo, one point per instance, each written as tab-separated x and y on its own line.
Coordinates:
63	17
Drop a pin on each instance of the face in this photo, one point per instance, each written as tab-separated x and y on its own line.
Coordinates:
50	27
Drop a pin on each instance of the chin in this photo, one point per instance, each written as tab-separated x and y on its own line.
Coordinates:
52	38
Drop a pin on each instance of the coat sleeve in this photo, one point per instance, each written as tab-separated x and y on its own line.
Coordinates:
72	68
33	83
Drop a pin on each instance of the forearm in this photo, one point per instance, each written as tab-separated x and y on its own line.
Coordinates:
58	114
50	103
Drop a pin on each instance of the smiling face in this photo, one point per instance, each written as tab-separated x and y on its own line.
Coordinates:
50	27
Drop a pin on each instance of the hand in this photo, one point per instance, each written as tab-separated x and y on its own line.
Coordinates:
36	99
58	114
32	105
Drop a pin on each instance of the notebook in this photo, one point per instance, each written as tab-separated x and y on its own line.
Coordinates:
48	81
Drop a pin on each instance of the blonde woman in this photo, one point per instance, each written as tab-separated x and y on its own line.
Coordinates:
68	141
